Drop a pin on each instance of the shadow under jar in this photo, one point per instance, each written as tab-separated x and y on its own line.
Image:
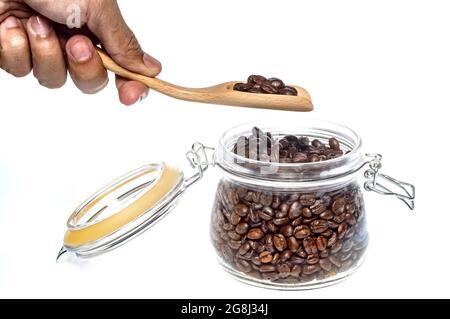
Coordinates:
287	223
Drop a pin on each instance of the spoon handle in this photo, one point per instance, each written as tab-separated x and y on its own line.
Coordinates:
112	66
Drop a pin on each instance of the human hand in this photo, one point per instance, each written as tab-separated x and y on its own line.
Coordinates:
34	36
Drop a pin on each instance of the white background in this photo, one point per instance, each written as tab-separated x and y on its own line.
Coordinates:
380	67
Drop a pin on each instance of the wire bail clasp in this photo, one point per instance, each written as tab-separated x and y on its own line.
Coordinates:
199	159
378	182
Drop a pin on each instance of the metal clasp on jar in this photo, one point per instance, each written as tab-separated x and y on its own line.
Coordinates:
381	183
199	159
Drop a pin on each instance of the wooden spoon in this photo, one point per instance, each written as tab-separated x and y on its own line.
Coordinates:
218	94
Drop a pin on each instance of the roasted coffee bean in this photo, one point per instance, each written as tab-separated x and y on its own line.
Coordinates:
284	207
268	240
325	264
254	244
245	247
280	214
296	260
339	218
324	254
233	235
264	227
267	268
316	143
281	221
301	253
254	217
336	247
350	208
272	227
327	215
255	234
241	228
334	144
350	219
338	206
241	210
284	270
307	200
235	219
265	215
243	87
276	258
333	239
287	230
296	271
346	256
285	255
350	232
347	246
287	90
293	244
296	222
306	212
312	259
319	226
321	243
265	257
342	230
227	226
279	241
295	210
310	245
266	87
265	199
256	79
333	225
276	202
300	158
318	207
311	269
244	266
302	231
335	261
234	244
276	83
328	233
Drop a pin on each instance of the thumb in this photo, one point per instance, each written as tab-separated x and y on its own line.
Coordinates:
105	20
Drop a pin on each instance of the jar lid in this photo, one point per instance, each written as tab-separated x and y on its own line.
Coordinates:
129	205
123	209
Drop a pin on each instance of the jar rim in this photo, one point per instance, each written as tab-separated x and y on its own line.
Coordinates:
349	139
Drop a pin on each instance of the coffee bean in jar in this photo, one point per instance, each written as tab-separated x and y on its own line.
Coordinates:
301	225
260	84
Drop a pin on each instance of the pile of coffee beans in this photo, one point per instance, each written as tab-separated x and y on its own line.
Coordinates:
290	237
260	84
290	148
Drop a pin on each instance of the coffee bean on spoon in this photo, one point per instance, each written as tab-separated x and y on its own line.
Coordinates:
276	83
287	90
267	87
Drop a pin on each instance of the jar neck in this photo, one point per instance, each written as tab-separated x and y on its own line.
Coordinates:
334	171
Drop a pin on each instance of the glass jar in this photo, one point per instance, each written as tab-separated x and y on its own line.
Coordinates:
290	225
285	222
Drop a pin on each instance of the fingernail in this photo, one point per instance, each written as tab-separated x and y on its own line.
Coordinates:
81	51
11	22
40	26
143	96
151	62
